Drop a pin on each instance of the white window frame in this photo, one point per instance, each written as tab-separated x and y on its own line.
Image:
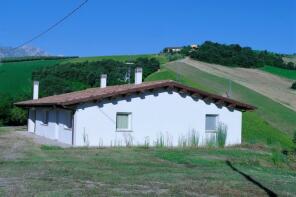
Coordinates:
217	120
129	129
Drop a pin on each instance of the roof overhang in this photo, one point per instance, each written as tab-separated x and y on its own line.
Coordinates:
137	89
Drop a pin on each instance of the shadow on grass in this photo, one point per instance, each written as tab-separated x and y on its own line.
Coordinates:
249	178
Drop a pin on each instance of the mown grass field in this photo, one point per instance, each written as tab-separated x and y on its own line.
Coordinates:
271	123
290	74
16	77
29	169
162	59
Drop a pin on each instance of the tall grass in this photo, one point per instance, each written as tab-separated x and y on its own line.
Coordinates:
221	134
191	140
159	141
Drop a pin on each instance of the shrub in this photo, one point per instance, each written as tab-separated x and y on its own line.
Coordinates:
18	116
294	86
294	137
277	157
221	134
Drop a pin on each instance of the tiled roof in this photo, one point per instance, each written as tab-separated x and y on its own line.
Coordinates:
110	92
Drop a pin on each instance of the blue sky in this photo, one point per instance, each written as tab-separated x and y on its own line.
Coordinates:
112	27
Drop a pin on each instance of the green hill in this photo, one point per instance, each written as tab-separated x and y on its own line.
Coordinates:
15	77
162	59
290	74
271	123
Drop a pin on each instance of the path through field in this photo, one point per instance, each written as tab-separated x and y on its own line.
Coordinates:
274	87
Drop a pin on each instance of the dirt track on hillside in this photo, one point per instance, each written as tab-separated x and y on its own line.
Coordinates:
274	87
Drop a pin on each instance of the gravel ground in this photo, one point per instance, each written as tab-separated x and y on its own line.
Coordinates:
39	139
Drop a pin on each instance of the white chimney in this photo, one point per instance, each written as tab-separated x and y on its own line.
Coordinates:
103	80
138	75
35	90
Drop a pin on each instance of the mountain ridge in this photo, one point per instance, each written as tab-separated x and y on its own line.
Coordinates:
26	50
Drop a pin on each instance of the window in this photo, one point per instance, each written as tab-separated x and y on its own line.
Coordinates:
211	122
45	117
123	121
68	122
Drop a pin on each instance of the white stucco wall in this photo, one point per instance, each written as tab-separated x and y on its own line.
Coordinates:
31	120
168	114
56	127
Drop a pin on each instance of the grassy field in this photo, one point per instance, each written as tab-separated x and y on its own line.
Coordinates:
28	169
162	59
271	123
290	74
16	77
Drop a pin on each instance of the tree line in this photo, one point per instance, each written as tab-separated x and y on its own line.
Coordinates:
68	77
32	58
234	55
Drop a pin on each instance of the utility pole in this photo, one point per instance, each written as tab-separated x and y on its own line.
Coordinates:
229	92
129	71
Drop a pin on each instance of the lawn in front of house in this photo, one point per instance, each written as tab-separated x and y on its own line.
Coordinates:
28	169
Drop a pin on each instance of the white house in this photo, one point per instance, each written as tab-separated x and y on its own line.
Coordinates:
145	113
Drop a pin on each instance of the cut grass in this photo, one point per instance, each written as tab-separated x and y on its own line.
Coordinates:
258	131
138	171
162	59
290	74
265	125
16	77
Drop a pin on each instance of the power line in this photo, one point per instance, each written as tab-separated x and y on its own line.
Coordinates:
52	26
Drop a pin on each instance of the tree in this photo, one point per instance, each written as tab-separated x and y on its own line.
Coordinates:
294	86
294	137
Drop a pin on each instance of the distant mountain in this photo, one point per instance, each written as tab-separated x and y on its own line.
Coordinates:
22	51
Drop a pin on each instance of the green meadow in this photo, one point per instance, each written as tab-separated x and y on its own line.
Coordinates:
162	59
290	74
16	77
